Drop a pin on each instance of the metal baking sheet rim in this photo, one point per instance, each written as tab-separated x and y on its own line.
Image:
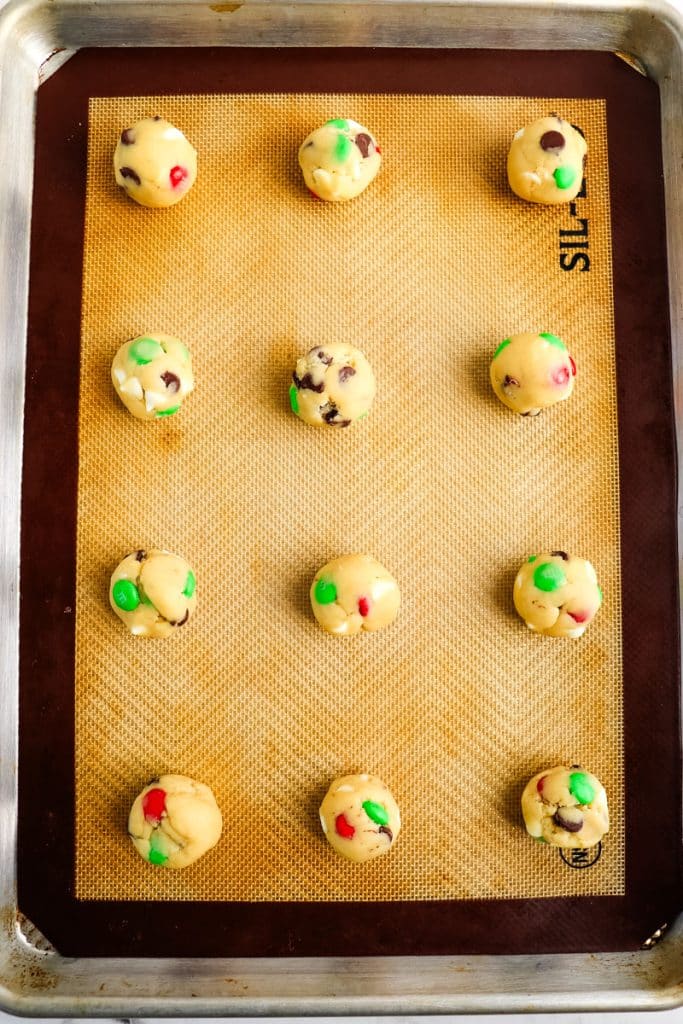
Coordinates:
36	37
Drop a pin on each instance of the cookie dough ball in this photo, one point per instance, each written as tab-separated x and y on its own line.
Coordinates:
352	593
530	372
545	162
152	374
557	594
565	807
153	592
155	163
174	821
333	386
339	160
360	817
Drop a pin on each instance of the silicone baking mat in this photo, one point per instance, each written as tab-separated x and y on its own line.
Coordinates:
456	705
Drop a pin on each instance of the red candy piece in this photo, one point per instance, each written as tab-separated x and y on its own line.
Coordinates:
579	616
154	805
561	376
177	174
314	194
344	829
539	784
364	606
378	150
573	366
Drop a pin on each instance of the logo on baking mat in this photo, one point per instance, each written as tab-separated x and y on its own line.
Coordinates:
575	858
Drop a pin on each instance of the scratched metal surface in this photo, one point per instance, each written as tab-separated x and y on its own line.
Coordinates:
36	37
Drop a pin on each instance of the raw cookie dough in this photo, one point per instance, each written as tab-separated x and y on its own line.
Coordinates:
153	592
565	807
557	594
360	817
352	593
174	821
545	162
339	160
154	163
152	374
333	386
530	372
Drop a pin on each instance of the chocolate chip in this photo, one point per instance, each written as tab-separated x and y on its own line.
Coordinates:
364	142
345	373
577	129
128	172
386	831
552	141
171	381
127	137
330	414
306	383
510	382
560	554
140	555
183	620
323	356
157	117
569	818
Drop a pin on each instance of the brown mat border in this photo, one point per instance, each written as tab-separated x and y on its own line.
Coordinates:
648	524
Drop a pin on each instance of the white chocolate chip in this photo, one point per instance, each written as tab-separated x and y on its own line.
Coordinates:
323	823
153	400
518	134
590	571
532	176
139	630
120	375
574	633
132	387
344	789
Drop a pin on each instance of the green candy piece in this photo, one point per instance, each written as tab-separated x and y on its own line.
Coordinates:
126	595
338	122
144	599
190	584
503	344
294	399
540	839
362	416
325	592
144	350
186	353
157	857
548	576
532	558
167	412
553	339
581	789
601	595
564	177
343	148
376	812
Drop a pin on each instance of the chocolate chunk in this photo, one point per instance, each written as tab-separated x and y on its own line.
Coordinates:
157	117
560	554
128	172
183	620
569	818
387	832
341	423
552	141
510	382
577	129
345	373
171	381
323	356
364	143
127	137
330	414
306	383
140	555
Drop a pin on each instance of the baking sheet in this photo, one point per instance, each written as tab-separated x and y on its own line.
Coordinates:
648	531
